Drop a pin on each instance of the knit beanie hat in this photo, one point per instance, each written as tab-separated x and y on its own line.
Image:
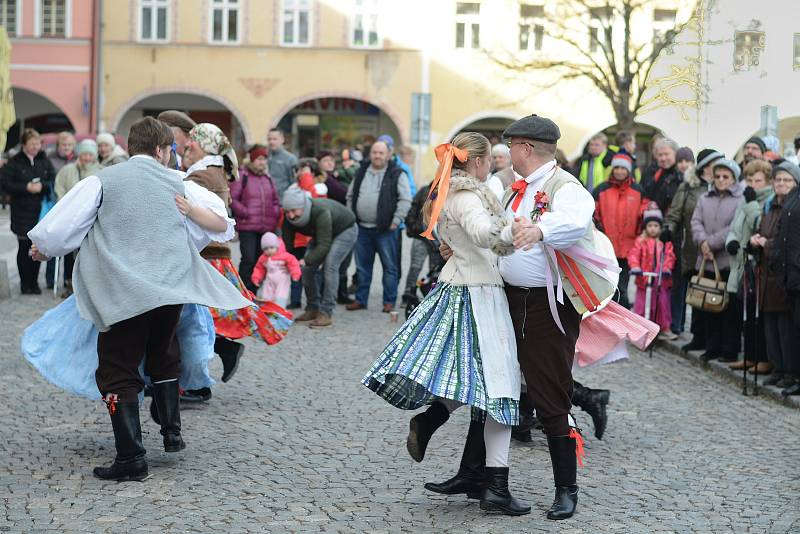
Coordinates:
622	160
706	157
653	214
270	240
730	165
684	154
87	146
386	138
789	167
294	198
757	141
106	138
257	151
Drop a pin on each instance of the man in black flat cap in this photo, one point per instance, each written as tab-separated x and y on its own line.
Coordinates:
556	211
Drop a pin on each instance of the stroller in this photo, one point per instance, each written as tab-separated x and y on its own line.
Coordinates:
426	284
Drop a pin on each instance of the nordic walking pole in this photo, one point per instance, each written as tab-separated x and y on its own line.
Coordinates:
745	289
55	276
660	271
757	284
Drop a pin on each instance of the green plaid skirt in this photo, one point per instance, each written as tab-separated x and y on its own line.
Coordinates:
436	354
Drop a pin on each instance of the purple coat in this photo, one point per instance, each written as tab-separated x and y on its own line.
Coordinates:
255	203
711	222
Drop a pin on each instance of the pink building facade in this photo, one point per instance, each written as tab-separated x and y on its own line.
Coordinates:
53	58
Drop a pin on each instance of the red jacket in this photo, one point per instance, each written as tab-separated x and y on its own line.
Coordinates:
618	213
260	270
645	256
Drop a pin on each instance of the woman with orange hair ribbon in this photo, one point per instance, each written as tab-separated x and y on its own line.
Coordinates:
458	346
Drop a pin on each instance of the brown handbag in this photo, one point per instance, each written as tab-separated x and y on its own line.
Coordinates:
705	294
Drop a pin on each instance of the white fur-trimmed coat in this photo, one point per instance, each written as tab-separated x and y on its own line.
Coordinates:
472	223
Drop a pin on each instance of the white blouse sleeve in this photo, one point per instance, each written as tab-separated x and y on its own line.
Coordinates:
571	218
203	198
64	228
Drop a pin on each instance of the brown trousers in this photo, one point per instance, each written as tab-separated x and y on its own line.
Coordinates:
122	348
545	354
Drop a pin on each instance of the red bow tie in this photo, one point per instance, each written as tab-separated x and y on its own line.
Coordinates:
519	188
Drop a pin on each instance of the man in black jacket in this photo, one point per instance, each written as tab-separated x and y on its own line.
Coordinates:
28	177
380	196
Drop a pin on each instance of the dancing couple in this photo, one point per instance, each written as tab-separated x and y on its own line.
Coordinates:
500	308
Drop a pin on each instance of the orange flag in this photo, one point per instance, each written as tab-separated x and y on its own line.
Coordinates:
441	183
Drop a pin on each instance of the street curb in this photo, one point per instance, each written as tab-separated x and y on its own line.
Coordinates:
721	370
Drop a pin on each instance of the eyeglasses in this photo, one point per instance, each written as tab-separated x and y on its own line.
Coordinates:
510	143
783	180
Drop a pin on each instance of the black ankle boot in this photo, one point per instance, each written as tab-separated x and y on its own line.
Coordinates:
230	352
423	426
565	467
496	497
129	463
593	402
166	397
469	478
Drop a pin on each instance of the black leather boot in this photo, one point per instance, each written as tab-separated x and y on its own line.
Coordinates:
166	397
230	352
469	478
422	427
496	497
130	463
565	467
593	402
527	420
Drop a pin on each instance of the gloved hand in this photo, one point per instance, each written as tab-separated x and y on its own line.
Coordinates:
636	272
666	273
749	194
666	235
733	248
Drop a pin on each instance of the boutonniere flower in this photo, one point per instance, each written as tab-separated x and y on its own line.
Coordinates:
540	205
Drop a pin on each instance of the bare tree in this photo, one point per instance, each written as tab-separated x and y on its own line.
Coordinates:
617	65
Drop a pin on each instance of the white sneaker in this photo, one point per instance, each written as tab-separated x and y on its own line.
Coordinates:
668	336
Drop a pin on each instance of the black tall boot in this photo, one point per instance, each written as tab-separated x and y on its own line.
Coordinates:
166	397
496	497
230	352
423	426
527	420
565	467
469	478
130	463
593	402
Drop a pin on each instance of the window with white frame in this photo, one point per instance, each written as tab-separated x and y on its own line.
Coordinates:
365	24
296	22
153	19
53	18
225	21
8	16
599	24
663	21
531	26
468	25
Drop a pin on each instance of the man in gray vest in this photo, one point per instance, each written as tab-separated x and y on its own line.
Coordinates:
136	269
281	162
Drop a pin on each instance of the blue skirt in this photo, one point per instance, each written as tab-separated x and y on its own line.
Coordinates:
436	354
62	346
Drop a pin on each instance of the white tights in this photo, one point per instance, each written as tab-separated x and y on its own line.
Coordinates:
497	437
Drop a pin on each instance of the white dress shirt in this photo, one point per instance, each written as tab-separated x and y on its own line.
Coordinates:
567	219
64	228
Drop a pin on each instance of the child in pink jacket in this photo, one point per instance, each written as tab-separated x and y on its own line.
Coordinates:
652	261
275	270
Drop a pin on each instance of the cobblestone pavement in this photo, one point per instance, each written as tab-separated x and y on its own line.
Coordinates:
295	444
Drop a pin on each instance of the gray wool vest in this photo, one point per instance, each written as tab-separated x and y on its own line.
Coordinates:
138	255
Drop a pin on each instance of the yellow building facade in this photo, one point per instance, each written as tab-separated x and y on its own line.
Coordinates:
333	73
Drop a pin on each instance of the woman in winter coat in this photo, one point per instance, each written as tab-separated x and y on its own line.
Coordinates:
28	177
711	223
678	229
256	208
758	177
786	255
773	299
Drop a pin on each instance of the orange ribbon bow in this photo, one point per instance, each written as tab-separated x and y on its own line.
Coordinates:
519	188
441	183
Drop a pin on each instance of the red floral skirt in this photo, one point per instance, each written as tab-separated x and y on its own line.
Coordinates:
264	320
